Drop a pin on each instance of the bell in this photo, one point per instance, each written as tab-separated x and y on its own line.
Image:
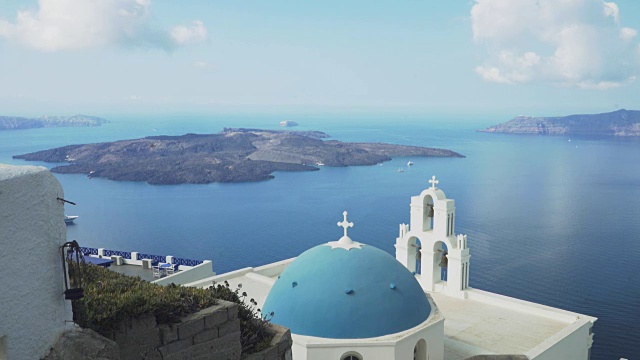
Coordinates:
430	214
444	261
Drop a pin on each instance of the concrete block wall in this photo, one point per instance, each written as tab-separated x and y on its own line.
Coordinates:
212	333
280	348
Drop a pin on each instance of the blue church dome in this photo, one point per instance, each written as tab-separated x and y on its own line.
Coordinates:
346	290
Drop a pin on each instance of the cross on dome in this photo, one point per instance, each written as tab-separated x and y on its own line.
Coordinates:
345	224
433	182
345	241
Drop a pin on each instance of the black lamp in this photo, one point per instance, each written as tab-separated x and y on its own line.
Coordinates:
73	257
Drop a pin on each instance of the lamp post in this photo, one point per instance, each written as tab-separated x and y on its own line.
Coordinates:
73	255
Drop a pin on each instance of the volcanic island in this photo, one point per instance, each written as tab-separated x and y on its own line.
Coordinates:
233	155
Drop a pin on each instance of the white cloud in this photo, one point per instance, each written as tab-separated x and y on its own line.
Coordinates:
185	35
74	24
516	69
627	33
492	74
578	43
611	9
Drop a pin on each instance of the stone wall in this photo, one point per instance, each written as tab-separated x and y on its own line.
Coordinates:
212	333
280	348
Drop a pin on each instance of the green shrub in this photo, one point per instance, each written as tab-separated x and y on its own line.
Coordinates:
110	298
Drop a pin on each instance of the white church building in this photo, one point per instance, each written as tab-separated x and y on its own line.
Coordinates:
346	300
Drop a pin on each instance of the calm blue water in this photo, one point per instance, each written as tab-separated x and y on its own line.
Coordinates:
549	220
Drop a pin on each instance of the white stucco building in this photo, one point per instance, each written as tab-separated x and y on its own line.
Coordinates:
33	310
346	300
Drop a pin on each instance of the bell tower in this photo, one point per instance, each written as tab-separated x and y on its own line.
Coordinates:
429	247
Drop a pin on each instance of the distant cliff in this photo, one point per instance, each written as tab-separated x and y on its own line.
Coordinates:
617	123
234	155
16	123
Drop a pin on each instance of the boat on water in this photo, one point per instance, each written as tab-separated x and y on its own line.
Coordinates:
69	219
400	170
320	164
409	163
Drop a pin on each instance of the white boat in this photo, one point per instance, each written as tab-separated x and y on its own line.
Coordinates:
288	123
320	164
69	219
400	170
409	163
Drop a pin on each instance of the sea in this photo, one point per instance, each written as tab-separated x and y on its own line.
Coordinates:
550	219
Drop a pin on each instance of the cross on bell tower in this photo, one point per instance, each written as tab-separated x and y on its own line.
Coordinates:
433	182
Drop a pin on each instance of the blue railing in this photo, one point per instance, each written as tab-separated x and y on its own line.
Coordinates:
187	262
88	251
127	255
124	254
157	258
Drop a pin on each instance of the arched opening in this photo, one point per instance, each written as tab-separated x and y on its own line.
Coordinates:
351	355
451	229
418	255
420	350
413	255
440	261
448	223
427	206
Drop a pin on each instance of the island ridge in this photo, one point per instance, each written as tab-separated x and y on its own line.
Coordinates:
233	155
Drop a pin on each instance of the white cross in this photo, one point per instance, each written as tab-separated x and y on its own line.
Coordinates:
345	224
433	182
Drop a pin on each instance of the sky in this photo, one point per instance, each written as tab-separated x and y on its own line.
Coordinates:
503	57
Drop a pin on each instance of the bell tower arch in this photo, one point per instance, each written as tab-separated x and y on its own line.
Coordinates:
432	223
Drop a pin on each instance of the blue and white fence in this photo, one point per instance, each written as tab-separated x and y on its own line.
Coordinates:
158	258
135	258
124	254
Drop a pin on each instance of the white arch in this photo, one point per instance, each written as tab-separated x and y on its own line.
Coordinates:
351	355
427	204
420	350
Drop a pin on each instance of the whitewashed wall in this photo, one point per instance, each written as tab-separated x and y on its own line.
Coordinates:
189	275
572	343
32	306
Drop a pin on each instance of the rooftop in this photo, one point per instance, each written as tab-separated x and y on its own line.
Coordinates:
501	326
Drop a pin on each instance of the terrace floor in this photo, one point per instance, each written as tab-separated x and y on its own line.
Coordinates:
133	270
472	328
